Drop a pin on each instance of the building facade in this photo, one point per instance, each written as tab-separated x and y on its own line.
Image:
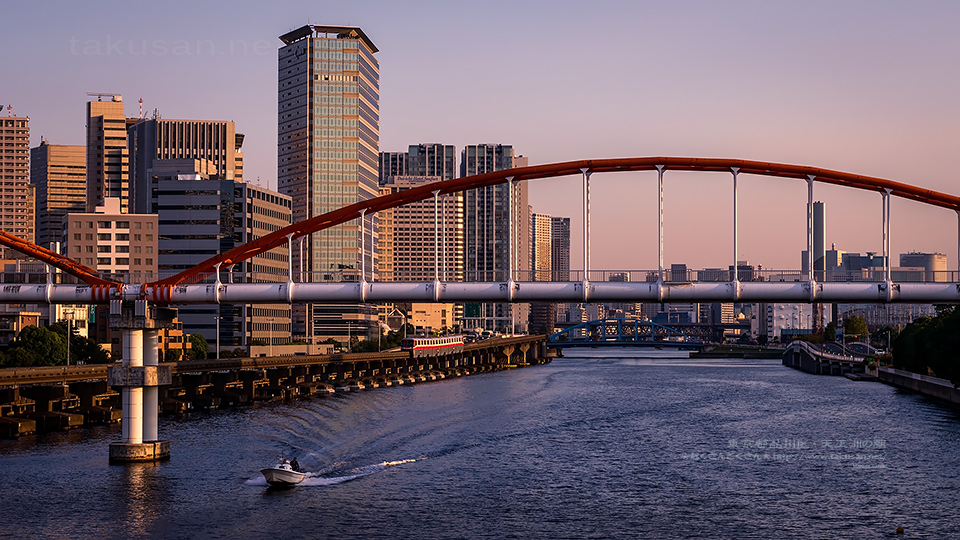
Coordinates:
58	173
16	192
327	158
108	160
490	215
201	215
149	141
121	246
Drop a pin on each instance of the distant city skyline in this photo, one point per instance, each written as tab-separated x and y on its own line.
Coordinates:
863	87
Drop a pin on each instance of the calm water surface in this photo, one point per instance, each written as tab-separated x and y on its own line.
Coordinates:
608	444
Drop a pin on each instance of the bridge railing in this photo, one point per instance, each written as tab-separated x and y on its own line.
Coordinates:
707	275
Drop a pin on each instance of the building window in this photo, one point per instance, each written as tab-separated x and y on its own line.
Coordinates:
104	224
88	237
123	261
150	225
149	249
136	249
136	224
89	224
76	236
103	260
104	237
76	249
88	249
103	249
136	262
123	224
149	262
123	249
123	237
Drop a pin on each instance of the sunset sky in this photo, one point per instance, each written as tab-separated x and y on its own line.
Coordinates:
867	87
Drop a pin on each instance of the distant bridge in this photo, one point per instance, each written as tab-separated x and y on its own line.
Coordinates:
621	333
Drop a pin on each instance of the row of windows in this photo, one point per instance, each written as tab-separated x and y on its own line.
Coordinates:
120	261
109	224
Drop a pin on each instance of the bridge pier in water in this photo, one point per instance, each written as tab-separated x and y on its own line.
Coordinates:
139	377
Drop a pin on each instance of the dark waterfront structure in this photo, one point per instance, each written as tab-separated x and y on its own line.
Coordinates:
62	398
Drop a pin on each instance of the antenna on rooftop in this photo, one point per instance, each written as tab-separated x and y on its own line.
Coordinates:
141	108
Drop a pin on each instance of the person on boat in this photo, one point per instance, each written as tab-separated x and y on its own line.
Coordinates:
295	465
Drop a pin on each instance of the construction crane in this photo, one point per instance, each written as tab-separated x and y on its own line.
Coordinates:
101	95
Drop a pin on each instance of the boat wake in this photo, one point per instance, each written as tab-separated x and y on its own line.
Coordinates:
337	474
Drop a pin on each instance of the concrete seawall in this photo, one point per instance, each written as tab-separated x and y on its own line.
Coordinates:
941	389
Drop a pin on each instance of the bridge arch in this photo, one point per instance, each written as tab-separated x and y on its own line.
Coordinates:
292	232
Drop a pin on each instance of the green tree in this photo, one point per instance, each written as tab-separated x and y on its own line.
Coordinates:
199	348
172	355
37	346
830	332
856	325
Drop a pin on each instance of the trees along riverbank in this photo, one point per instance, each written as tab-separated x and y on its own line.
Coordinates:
931	345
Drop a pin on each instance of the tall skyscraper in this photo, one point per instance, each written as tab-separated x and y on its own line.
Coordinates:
541	239
487	241
16	192
328	137
542	314
108	161
149	141
560	247
58	173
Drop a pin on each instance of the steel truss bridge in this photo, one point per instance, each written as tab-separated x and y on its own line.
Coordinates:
622	332
188	287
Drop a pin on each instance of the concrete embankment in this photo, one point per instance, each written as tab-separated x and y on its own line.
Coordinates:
934	387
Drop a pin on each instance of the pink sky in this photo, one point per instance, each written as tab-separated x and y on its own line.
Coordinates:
865	87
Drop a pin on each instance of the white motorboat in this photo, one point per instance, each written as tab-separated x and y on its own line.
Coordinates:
283	475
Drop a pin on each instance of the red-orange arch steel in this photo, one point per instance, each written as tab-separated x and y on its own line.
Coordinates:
68	265
552	170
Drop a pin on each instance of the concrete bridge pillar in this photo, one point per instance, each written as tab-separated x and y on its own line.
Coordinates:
138	377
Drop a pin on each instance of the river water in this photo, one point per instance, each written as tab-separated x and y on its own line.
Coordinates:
600	444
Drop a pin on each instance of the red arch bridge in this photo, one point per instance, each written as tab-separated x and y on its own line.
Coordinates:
202	284
134	305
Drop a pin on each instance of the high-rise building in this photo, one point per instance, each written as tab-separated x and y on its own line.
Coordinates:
149	141
327	158
541	241
560	247
201	215
412	250
424	159
415	227
108	160
489	220
16	192
58	173
543	315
